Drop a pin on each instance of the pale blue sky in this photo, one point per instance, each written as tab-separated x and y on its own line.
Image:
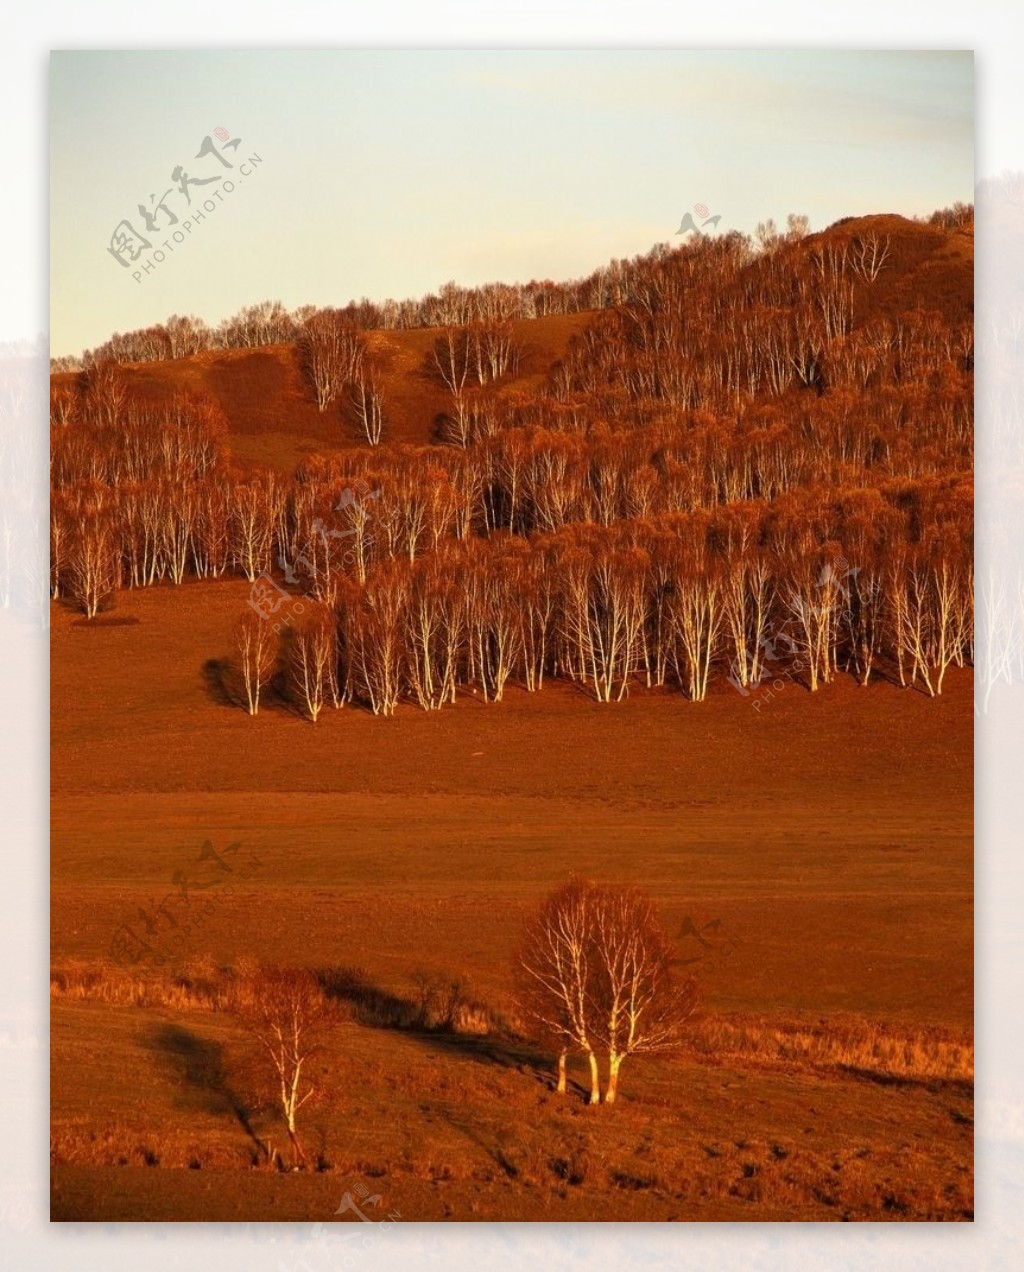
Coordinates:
388	173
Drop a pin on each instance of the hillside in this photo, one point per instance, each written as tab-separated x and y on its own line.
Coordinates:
661	579
273	422
271	418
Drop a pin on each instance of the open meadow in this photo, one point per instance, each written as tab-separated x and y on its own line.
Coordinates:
813	855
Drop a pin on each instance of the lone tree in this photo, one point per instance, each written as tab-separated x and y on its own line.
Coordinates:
593	971
286	1012
555	976
641	1007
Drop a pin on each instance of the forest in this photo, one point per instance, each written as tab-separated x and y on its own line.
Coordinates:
753	458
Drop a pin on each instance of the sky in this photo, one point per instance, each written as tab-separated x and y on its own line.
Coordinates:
388	173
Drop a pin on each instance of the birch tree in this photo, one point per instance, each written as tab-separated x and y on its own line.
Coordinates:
367	403
696	611
313	662
594	976
285	1011
555	974
257	652
638	1006
332	351
94	566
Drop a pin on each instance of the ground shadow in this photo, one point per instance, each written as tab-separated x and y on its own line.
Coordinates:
498	1051
369	1003
379	1008
106	620
492	1148
935	1085
199	1067
217	678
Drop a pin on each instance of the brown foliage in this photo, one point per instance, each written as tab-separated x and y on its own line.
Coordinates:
593	974
288	1016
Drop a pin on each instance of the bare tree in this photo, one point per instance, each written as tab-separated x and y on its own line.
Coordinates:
450	361
106	392
258	654
554	976
748	592
813	602
95	567
911	615
186	336
491	349
265	323
603	613
373	624
696	610
331	348
367	403
63	404
870	252
639	1007
61	537
313	662
593	974
252	508
286	1012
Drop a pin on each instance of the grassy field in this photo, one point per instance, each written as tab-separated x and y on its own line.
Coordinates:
821	844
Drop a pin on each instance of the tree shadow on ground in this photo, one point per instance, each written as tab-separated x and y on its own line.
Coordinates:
199	1067
381	1009
217	678
933	1084
495	1050
368	1003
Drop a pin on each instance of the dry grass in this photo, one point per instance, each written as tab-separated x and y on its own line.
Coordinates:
434	1002
203	985
869	1046
443	1004
459	1127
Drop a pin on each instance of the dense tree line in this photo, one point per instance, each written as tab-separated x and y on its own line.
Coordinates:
618	283
785	465
682	601
712	329
145	466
